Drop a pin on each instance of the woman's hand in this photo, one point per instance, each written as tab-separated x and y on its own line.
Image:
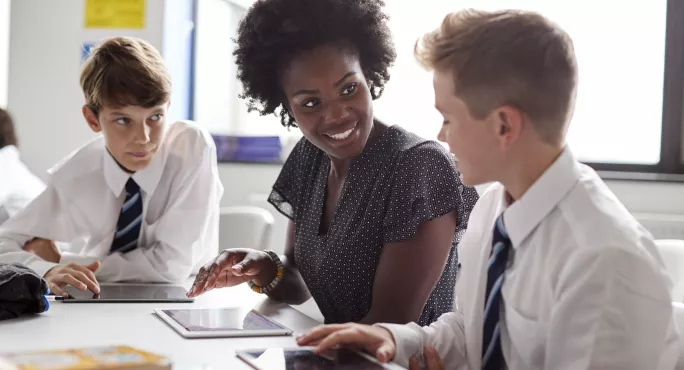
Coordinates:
233	267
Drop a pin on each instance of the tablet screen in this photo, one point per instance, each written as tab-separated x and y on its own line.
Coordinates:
129	292
303	359
221	319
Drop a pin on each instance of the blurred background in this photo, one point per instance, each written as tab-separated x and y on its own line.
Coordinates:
627	124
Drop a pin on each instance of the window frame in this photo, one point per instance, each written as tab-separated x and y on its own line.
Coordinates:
670	168
671	165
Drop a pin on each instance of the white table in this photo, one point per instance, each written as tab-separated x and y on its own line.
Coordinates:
74	325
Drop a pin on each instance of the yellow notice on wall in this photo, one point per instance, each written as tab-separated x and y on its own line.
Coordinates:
115	14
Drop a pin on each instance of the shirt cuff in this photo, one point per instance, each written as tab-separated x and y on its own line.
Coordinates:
69	257
40	266
407	341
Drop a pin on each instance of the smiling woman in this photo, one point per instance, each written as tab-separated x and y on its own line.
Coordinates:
375	211
328	97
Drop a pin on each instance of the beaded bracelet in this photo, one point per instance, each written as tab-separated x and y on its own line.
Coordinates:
280	271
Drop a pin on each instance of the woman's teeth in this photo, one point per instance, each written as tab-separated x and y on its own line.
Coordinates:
342	135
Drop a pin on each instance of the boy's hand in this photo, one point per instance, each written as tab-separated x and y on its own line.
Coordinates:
45	249
81	277
432	360
376	340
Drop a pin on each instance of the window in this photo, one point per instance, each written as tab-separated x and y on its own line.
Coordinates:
216	104
618	122
628	115
4	50
215	101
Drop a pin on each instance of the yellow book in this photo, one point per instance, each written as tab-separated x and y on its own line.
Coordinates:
116	357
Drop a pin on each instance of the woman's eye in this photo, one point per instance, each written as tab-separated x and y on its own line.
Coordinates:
311	103
349	89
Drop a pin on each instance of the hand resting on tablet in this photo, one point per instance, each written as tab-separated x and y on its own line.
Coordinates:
376	340
79	276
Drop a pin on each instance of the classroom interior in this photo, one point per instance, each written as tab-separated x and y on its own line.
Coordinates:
628	123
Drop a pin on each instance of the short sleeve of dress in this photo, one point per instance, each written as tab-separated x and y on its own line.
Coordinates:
426	186
284	195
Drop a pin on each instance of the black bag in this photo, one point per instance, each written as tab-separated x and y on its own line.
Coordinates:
22	291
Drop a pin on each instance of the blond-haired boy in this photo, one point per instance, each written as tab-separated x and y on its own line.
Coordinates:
556	272
145	194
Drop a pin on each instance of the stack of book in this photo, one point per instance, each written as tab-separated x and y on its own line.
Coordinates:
115	357
230	148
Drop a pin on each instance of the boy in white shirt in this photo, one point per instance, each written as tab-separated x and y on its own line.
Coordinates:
556	273
145	193
18	185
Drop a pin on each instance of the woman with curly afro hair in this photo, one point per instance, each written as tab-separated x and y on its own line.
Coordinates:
375	211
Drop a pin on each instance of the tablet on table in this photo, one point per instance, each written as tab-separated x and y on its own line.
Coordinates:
220	322
304	358
128	293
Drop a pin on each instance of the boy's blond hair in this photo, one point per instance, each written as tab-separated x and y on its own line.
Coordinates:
509	57
125	71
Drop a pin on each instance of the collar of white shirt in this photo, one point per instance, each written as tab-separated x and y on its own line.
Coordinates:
147	179
9	152
523	216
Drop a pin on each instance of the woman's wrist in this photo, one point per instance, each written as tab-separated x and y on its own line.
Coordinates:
266	274
269	278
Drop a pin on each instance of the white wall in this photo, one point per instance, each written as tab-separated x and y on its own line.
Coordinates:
46	38
250	185
245	184
4	49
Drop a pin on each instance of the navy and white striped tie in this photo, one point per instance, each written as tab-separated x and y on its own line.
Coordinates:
492	357
130	218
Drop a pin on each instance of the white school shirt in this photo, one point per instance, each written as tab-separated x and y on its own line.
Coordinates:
181	192
18	185
586	289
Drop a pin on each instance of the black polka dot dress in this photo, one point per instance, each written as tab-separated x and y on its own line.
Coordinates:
398	182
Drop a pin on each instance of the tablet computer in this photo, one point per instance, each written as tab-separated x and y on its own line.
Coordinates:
304	358
128	293
220	322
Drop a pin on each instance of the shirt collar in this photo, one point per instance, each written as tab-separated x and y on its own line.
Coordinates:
10	151
147	179
523	216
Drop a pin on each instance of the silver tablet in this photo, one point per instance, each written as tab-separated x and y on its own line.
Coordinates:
304	358
220	322
128	293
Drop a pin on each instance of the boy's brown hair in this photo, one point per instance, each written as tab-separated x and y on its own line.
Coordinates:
509	57
125	71
7	135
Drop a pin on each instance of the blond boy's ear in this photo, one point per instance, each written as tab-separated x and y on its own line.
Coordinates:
509	123
91	118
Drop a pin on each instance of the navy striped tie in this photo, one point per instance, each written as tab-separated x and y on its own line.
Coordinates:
130	218
492	357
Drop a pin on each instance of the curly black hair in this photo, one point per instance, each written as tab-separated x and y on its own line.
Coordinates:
275	31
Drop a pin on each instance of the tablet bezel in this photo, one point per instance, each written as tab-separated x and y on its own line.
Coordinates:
180	299
243	354
180	329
